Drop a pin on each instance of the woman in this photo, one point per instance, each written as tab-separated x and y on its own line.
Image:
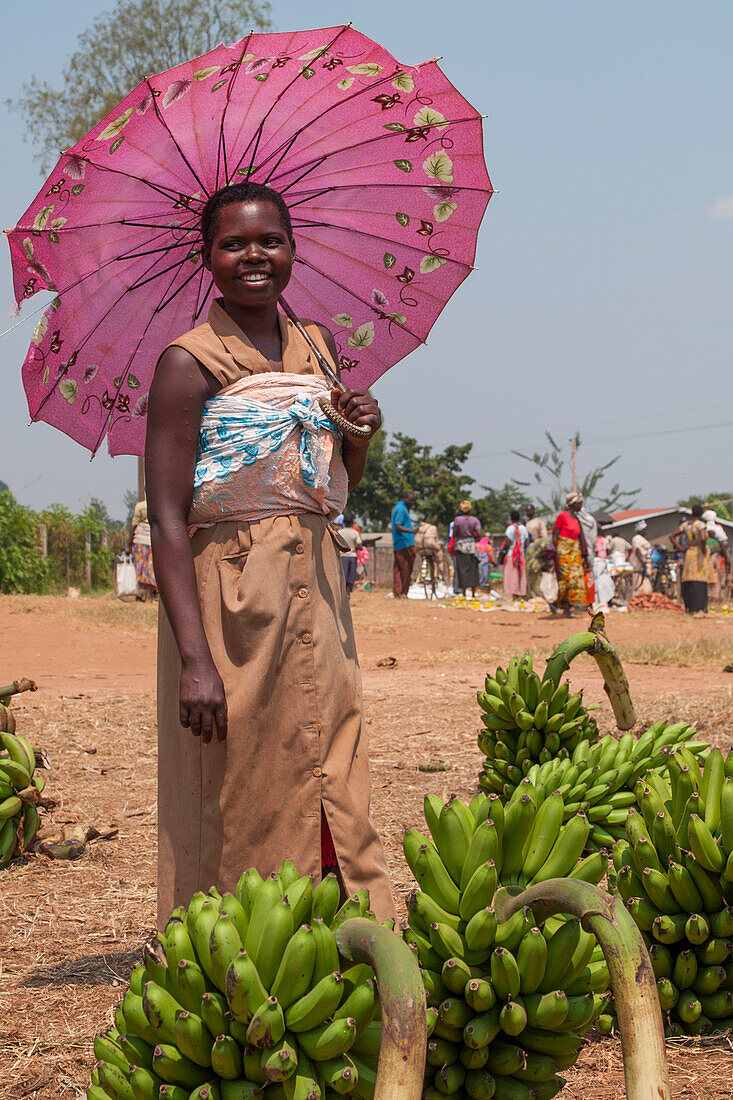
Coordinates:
640	558
256	653
485	560
690	539
466	533
142	553
514	549
572	558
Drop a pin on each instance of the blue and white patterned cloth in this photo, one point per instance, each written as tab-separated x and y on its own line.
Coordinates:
236	431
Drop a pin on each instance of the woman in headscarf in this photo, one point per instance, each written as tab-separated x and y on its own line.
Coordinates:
691	539
516	538
466	532
573	561
142	553
641	550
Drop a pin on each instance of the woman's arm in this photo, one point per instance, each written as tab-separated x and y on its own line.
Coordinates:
360	408
177	396
674	539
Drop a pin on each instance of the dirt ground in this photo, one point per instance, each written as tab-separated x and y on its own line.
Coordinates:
70	932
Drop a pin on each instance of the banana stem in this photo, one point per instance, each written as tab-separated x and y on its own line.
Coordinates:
598	646
401	1067
629	966
18	686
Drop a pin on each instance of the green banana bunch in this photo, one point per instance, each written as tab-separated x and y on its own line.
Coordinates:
599	779
527	721
20	791
674	870
243	995
507	1001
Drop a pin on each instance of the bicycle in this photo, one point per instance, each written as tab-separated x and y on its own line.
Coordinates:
429	575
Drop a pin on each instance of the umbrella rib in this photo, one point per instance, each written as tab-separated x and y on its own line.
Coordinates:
168	130
390	134
178	290
347	99
84	340
164	191
274	104
386	240
347	290
209	289
309	195
222	148
332	107
126	371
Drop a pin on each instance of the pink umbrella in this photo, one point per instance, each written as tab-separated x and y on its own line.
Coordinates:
381	165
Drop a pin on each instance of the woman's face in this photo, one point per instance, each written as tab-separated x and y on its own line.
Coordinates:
251	256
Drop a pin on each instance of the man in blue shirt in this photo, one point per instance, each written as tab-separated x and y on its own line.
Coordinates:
403	544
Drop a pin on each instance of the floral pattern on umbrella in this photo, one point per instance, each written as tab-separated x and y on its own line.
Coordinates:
381	165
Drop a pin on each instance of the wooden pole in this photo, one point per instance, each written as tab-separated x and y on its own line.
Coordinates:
140	478
574	442
88	557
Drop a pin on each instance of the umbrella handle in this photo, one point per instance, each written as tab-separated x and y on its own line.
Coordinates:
335	417
340	422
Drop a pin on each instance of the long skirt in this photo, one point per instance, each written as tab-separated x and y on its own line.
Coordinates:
142	556
466	570
276	616
695	595
515	578
571	586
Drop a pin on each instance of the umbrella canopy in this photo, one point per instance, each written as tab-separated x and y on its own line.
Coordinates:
380	164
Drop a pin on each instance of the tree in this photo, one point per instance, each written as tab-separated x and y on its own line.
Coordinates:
494	508
401	464
123	46
552	475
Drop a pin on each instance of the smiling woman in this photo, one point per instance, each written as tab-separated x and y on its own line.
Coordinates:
256	649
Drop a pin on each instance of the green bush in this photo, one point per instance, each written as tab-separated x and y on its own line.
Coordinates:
22	568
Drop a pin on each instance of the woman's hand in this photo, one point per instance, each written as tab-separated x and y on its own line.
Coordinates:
203	704
359	408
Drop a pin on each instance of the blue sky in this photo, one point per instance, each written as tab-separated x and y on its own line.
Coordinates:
602	299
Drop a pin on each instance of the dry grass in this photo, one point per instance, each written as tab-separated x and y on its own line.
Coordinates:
86	611
711	652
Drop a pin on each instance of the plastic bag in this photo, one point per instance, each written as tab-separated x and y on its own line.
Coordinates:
548	587
125	576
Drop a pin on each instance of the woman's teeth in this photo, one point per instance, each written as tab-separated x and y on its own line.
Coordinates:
255	278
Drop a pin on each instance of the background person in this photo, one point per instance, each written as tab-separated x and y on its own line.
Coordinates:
350	535
573	563
403	545
256	650
516	538
690	539
537	527
485	560
466	533
142	552
719	552
640	558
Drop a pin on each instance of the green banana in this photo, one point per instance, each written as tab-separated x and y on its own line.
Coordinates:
330	1040
245	991
175	1069
267	1026
192	1038
267	896
224	943
294	974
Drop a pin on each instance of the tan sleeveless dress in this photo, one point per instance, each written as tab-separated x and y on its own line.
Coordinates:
277	620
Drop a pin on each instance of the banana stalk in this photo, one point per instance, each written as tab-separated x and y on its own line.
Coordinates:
630	969
402	997
17	687
595	642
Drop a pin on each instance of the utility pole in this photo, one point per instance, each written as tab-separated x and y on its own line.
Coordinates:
574	442
140	478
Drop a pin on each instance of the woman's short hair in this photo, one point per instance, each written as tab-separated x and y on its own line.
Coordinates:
697	511
514	515
236	193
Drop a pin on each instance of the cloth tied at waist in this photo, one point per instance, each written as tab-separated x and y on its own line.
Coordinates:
238	430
